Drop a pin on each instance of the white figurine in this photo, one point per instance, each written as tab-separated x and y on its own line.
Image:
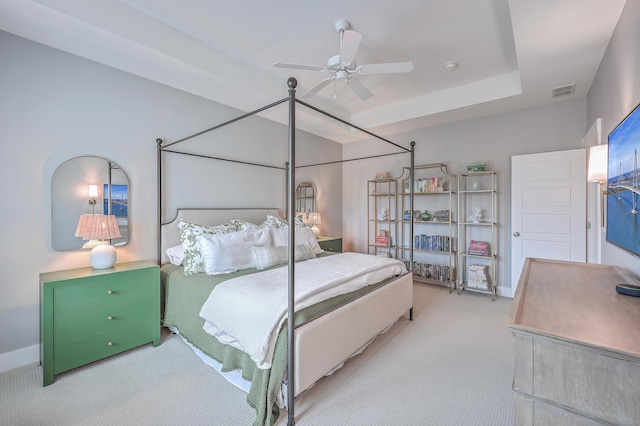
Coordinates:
383	214
477	215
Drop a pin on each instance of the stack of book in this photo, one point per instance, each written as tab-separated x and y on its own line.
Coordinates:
478	248
475	167
432	242
427	185
441	216
431	271
383	176
478	277
383	240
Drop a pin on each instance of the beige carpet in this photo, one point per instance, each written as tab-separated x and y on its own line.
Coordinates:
453	365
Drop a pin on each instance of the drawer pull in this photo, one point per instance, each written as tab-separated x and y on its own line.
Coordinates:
109	291
109	343
109	317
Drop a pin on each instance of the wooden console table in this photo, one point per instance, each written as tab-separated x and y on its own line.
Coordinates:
577	345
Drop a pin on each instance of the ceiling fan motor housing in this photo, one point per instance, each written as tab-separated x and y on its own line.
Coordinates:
334	64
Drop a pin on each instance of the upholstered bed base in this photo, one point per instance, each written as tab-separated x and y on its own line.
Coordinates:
317	351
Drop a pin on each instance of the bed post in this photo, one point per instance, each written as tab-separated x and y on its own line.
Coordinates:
159	212
292	83
411	189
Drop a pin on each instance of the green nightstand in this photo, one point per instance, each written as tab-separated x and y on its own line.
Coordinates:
88	314
332	244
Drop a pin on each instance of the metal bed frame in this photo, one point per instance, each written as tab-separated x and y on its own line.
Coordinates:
290	168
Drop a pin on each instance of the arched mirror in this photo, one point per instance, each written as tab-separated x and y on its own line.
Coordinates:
306	198
87	185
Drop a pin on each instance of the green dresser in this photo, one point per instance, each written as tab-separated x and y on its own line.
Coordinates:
332	244
88	314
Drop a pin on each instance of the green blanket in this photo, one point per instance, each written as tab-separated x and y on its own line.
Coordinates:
184	296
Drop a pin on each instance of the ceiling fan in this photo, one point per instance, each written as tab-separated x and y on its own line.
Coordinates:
343	67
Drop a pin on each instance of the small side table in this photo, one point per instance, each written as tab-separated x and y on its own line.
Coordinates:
332	244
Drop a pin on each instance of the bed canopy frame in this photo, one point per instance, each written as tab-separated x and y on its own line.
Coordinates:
290	168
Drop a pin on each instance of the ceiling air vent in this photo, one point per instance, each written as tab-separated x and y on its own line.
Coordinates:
563	90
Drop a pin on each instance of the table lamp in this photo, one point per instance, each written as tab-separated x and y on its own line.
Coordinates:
315	219
97	228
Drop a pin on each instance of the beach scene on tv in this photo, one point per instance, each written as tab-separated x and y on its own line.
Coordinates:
622	184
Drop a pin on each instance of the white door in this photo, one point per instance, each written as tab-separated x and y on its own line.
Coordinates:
548	208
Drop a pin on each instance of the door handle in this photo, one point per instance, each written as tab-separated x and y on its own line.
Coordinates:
516	234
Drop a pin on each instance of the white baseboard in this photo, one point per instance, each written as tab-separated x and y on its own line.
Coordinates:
506	292
15	359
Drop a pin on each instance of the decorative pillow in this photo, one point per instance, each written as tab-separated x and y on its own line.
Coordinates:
224	253
189	233
273	222
175	254
280	237
266	257
241	225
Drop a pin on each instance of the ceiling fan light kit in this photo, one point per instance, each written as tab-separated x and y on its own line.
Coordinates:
343	66
450	66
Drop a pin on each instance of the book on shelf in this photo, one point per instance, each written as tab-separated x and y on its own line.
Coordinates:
441	216
383	240
432	242
430	271
478	276
428	185
478	248
383	176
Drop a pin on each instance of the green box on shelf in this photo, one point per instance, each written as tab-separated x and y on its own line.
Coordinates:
475	167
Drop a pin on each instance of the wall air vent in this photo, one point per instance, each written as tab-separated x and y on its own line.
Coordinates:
563	90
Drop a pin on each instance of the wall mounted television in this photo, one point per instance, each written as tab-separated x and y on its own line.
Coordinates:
623	178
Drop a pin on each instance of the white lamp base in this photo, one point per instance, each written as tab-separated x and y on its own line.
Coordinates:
92	243
316	231
103	256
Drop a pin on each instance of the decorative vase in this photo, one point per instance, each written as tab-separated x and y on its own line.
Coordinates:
426	215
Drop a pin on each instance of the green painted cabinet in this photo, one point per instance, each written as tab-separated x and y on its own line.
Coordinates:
331	244
88	314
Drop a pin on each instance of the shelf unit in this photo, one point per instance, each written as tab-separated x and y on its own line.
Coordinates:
433	240
478	190
381	196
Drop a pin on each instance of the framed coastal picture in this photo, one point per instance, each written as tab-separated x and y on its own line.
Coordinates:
119	200
623	191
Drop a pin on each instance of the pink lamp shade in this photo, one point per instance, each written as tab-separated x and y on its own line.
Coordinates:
315	219
96	227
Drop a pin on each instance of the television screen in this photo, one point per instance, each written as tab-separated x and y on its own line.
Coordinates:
119	200
622	184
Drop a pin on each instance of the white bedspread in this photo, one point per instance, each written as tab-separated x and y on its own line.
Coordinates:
248	311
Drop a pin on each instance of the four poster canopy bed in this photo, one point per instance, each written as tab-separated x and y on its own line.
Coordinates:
265	306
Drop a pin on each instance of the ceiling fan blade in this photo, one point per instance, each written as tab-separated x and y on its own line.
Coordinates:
298	66
349	46
388	68
318	87
359	89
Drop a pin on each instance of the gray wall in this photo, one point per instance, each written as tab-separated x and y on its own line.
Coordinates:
614	93
55	106
493	140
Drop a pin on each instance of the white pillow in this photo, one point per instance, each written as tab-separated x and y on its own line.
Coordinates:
224	253
280	237
241	225
175	254
273	222
189	234
266	257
